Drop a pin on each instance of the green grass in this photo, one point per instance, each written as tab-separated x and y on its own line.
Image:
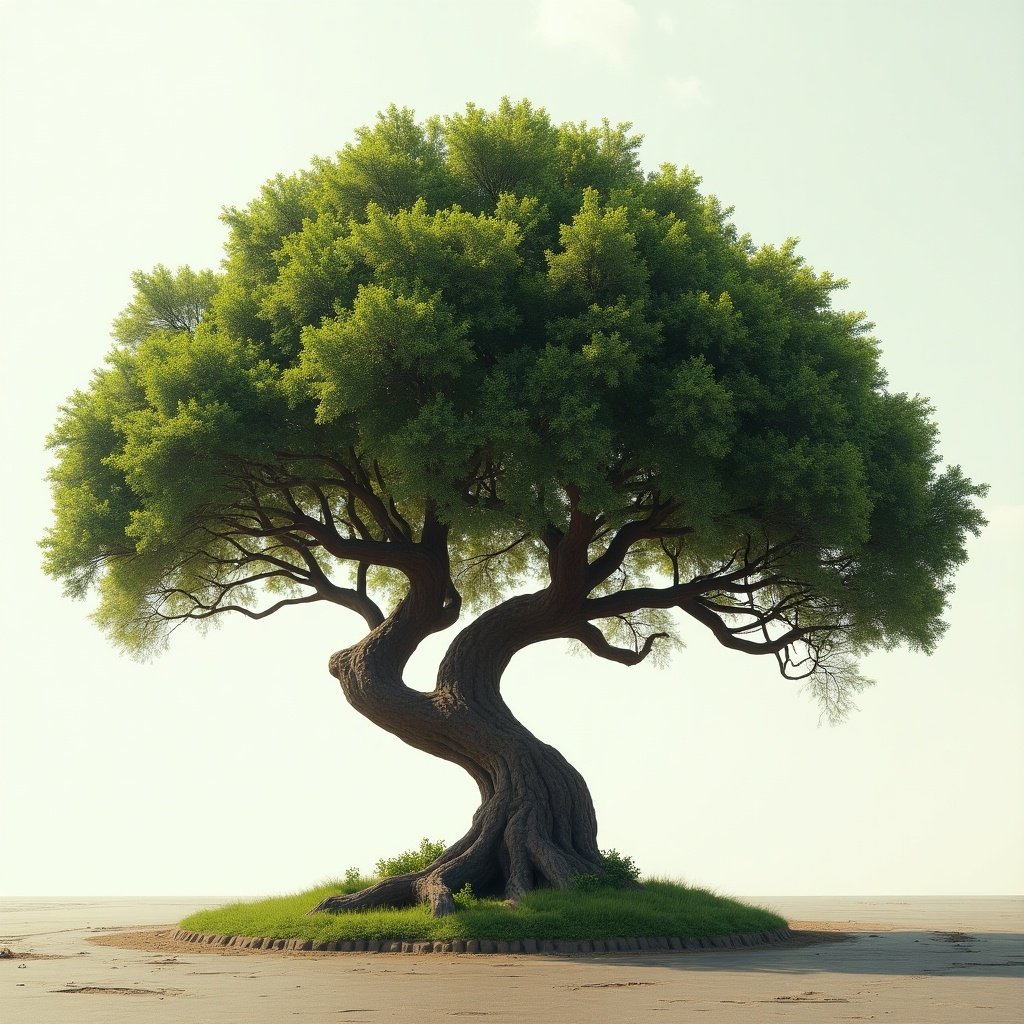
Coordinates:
657	908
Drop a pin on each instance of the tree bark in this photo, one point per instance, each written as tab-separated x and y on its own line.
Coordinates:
536	825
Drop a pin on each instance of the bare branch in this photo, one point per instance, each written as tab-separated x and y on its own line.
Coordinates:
469	564
728	638
206	612
595	641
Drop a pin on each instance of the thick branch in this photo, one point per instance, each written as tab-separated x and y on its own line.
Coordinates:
352	480
567	550
629	534
405	556
635	599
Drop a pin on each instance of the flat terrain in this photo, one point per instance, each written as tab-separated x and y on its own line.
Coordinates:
935	961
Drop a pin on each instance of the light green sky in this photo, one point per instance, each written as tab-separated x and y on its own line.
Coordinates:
886	135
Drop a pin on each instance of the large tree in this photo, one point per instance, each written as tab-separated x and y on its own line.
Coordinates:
485	363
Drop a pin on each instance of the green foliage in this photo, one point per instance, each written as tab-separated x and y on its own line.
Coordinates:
617	872
586	882
657	908
465	898
490	154
165	300
498	323
411	860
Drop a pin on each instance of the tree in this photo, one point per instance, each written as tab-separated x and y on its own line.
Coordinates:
485	363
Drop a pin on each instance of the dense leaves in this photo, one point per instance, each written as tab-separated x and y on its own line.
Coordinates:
499	331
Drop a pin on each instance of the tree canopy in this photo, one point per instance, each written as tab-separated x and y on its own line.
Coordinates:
491	350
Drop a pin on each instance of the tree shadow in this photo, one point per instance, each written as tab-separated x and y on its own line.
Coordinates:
903	952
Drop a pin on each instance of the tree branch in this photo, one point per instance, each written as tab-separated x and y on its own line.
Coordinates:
728	638
629	534
206	612
597	643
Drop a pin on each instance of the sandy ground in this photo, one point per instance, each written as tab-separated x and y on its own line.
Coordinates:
939	961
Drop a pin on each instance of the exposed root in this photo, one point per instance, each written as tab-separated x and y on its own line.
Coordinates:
426	886
397	891
502	854
438	896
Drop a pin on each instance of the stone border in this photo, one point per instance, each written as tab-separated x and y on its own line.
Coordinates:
661	944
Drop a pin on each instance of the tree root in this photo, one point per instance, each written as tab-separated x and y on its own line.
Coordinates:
501	853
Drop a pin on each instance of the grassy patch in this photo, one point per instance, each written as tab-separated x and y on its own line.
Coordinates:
657	908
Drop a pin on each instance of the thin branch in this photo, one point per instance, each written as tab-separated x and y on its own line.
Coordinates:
468	564
727	638
208	612
597	643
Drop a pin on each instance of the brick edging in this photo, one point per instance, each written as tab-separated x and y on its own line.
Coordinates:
618	945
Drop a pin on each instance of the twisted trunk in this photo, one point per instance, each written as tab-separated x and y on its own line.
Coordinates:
536	824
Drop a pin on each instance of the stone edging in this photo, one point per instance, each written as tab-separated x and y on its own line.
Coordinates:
617	945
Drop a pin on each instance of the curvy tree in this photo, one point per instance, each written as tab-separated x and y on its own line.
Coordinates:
485	363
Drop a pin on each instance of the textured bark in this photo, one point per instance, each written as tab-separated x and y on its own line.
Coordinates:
536	825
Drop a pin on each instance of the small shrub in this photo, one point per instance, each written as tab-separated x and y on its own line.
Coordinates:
464	898
618	871
586	883
411	860
352	876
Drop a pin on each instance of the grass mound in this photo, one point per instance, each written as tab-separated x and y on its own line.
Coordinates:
656	908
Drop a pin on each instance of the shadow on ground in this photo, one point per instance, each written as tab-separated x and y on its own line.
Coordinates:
992	954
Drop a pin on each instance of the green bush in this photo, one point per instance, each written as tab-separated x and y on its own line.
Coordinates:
586	883
465	898
617	872
411	860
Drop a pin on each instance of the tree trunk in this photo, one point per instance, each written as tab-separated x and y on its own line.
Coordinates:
536	825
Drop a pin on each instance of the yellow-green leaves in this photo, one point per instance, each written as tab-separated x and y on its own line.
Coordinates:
392	164
598	261
480	314
165	300
314	279
209	368
490	153
389	354
598	157
470	260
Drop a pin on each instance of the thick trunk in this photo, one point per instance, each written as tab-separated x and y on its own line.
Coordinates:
536	824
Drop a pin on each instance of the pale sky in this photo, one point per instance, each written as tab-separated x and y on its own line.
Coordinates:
886	135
